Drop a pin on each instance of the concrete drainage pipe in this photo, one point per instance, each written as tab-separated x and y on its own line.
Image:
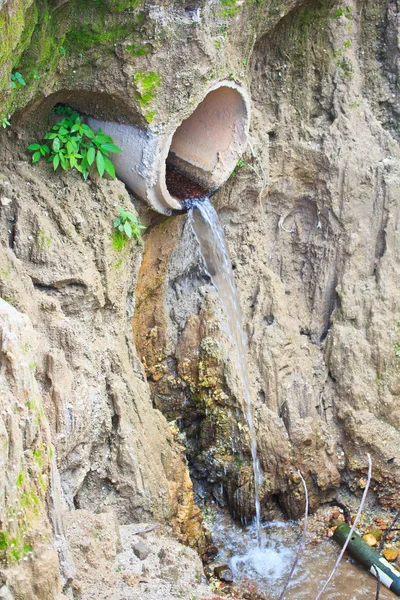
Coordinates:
204	148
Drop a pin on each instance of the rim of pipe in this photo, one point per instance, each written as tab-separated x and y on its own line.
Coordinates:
159	194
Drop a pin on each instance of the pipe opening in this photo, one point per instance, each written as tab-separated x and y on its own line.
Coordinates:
206	146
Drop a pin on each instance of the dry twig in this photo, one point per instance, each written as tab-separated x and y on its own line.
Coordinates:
344	508
147	530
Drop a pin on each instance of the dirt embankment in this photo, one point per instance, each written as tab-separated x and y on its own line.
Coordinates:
316	262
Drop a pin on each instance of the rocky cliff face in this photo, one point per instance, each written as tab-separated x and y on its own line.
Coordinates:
315	256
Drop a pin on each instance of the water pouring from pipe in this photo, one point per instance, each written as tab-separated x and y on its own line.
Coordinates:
210	236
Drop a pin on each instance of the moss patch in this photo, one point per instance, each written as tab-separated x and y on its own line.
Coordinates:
146	84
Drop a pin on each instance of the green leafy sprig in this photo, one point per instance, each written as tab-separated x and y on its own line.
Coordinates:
128	224
17	80
74	145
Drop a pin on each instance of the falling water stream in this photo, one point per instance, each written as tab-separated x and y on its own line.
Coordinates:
260	556
210	236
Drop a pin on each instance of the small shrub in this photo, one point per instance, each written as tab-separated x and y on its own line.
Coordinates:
5	122
125	226
74	145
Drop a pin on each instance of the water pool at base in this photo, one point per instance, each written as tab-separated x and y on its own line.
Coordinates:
265	570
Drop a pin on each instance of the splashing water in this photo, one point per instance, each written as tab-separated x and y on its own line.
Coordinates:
210	236
265	566
264	570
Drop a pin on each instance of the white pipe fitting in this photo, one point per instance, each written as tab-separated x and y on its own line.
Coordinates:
205	147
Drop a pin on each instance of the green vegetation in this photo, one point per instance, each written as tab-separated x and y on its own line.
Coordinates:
38	151
37	38
125	226
345	66
18	522
230	9
139	49
347	11
239	165
5	122
74	145
147	83
17	80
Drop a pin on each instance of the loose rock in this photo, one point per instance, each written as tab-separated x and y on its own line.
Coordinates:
223	573
141	550
370	539
391	554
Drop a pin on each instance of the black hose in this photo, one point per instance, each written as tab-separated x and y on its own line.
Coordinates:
389	530
378	586
346	512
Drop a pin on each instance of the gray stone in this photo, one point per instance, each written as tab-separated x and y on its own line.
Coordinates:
141	550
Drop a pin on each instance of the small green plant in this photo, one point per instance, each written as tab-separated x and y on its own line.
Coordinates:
230	8
38	151
62	50
62	109
125	226
346	67
74	145
5	122
347	11
17	80
239	165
